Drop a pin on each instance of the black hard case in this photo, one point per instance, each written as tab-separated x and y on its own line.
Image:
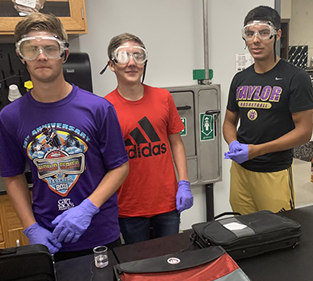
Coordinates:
265	231
26	263
159	266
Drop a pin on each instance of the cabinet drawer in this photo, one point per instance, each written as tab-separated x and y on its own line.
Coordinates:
11	219
11	229
16	238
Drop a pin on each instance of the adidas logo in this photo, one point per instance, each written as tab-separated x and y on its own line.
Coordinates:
144	136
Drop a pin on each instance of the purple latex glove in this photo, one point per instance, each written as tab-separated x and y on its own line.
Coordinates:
39	235
184	198
234	145
72	223
240	155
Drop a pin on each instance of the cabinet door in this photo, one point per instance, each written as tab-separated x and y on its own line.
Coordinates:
72	14
12	229
16	238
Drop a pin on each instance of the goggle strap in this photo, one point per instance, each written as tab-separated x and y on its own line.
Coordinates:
104	69
275	48
144	72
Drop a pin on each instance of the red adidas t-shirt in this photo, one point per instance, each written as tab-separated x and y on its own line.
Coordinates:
151	185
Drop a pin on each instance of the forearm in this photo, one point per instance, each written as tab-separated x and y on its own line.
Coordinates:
285	142
230	126
18	192
109	184
179	156
300	134
229	132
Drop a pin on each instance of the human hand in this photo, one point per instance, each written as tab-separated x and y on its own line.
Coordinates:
39	235
72	223
184	198
240	154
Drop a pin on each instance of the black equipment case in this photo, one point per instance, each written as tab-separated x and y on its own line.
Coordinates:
211	263
26	263
248	235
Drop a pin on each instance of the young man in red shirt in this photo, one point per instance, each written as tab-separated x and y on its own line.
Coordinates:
150	197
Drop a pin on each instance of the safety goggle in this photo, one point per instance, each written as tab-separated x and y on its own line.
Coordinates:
265	30
51	47
122	56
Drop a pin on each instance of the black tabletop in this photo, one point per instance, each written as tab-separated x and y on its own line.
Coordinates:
288	264
280	265
84	269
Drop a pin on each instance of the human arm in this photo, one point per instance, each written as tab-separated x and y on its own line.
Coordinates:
109	184
18	192
300	134
179	155
71	224
184	198
230	126
238	152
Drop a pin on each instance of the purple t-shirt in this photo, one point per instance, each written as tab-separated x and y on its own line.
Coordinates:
70	145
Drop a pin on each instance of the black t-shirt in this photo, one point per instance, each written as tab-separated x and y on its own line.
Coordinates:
265	103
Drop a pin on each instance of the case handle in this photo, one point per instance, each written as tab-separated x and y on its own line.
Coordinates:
227	214
186	107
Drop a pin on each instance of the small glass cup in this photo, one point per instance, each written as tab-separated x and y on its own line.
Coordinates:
101	256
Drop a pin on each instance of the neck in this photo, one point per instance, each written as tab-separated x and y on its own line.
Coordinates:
50	91
262	66
133	92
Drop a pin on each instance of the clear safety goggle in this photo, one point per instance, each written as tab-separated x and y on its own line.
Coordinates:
52	47
122	54
265	30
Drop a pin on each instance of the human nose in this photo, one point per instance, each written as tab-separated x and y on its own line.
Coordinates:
256	37
131	60
41	54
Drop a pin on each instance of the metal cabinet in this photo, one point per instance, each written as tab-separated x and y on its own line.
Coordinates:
199	108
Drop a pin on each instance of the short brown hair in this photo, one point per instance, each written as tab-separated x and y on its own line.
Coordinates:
264	13
40	22
120	39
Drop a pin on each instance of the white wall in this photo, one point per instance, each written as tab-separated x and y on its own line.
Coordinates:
173	34
286	9
301	24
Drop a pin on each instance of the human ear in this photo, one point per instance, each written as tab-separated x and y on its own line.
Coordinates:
278	34
111	65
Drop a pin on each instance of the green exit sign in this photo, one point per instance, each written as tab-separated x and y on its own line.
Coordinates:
199	74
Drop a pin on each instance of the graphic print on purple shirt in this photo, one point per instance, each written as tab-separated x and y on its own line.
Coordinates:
59	157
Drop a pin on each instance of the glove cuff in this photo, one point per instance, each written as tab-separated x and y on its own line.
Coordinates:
27	230
183	182
233	143
89	206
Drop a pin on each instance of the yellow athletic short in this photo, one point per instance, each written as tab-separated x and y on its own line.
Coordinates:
254	191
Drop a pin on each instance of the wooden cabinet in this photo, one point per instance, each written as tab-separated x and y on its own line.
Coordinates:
11	230
72	14
2	244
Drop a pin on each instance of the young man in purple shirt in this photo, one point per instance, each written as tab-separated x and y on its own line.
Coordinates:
72	141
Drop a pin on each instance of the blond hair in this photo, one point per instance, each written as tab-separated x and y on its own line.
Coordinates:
120	39
40	22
